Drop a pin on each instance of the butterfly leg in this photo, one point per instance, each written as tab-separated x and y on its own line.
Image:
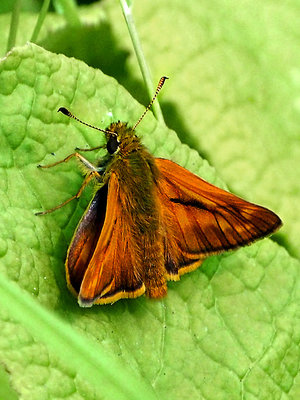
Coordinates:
92	174
91	148
83	160
89	177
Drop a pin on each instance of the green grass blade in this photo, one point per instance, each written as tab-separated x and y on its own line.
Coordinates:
102	371
68	8
14	25
127	12
39	23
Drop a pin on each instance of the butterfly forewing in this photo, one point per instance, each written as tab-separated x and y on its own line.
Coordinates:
111	272
201	219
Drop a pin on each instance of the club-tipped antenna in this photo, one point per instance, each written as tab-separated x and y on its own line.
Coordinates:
159	86
68	113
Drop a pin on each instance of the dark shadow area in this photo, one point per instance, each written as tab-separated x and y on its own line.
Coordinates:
174	121
282	240
87	2
95	45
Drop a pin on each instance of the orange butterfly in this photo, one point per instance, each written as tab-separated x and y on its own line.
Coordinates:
150	221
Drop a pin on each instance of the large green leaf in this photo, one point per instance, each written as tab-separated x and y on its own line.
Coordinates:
227	330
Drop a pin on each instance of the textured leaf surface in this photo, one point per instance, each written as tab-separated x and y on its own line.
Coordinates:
228	330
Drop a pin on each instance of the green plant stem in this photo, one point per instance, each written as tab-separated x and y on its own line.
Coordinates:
102	371
69	10
127	12
40	21
14	25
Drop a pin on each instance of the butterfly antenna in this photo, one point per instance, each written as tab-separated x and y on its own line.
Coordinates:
159	86
68	113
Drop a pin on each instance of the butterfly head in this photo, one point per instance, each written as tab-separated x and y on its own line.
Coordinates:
121	137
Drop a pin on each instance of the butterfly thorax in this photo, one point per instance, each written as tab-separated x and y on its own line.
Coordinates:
134	166
137	174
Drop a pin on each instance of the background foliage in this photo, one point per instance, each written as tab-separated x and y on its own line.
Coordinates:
228	330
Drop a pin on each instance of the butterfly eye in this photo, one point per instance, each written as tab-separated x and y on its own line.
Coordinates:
112	144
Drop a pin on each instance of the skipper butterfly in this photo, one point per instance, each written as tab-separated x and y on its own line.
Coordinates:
150	221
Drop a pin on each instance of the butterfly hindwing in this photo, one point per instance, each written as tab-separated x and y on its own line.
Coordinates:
85	239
